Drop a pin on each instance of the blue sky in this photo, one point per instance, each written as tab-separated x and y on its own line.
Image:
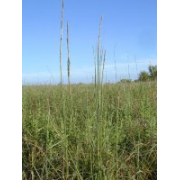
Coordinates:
129	35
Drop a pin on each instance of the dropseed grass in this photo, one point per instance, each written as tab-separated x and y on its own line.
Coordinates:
95	131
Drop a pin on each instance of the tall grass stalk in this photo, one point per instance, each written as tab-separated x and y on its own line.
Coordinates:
98	95
63	120
68	59
61	38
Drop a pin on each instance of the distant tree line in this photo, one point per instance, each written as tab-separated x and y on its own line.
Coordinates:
151	75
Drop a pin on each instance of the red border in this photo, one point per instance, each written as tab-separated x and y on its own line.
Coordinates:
11	90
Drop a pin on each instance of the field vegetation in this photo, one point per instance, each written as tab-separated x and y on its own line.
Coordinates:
78	136
98	131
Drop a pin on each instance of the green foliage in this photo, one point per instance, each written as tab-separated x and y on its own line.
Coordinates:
151	75
153	72
126	80
60	133
143	76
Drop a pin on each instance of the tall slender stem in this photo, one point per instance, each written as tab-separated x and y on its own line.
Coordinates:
61	38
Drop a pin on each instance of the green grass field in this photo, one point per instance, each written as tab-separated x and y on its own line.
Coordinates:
90	132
